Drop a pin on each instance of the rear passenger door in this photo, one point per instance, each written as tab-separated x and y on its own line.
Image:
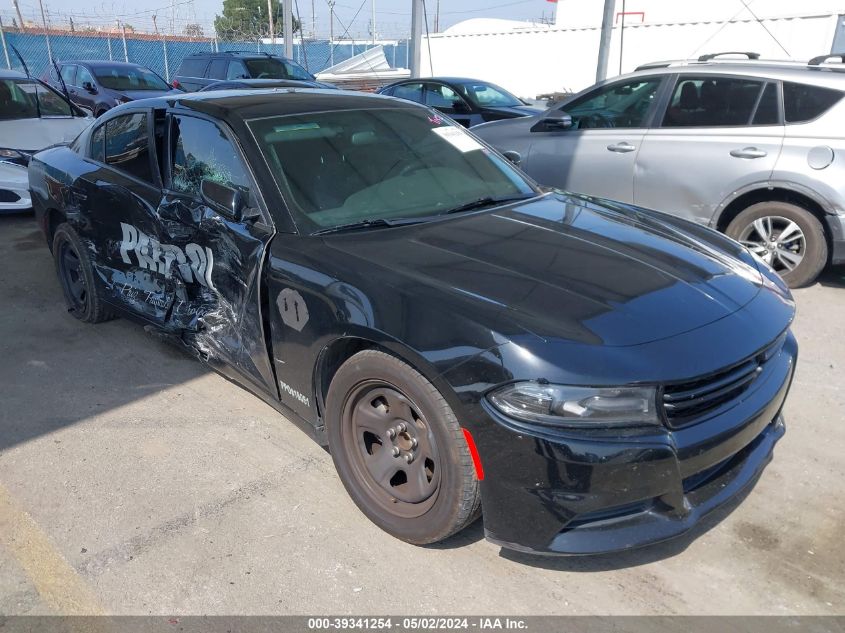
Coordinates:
716	135
119	198
191	75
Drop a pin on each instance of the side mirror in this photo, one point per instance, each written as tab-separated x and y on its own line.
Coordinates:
227	201
513	156
89	87
553	121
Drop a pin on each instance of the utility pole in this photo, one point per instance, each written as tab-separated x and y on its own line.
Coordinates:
46	34
374	22
270	15
437	17
604	40
331	32
287	27
313	21
417	17
20	17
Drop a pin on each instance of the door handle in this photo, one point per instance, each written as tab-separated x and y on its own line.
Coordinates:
621	148
749	152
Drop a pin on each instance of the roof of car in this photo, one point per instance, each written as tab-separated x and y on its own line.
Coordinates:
822	74
256	54
251	104
100	63
447	80
11	74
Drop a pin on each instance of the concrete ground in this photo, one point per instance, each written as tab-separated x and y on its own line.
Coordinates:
135	481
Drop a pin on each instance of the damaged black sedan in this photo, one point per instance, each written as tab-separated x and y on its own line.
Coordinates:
592	375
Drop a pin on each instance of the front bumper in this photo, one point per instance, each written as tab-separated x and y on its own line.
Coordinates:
561	492
14	188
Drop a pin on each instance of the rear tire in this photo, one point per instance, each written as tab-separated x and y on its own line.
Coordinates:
399	449
787	237
76	277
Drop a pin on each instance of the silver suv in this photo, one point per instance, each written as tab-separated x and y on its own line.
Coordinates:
753	148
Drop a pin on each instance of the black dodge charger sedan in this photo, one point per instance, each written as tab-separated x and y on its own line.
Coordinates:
594	376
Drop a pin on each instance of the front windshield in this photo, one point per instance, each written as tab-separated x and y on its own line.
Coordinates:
489	96
343	167
124	79
272	68
28	99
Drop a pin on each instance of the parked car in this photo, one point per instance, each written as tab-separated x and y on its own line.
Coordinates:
201	69
753	148
259	84
99	86
32	116
467	101
595	376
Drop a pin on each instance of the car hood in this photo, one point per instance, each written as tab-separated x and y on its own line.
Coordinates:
564	268
32	135
513	111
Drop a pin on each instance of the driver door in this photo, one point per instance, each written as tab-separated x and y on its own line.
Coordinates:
216	255
596	156
441	97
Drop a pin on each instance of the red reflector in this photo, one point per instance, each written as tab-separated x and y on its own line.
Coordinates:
473	450
175	83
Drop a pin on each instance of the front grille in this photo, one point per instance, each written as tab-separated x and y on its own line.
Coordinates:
687	402
8	196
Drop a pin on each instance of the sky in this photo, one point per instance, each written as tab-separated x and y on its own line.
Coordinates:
393	17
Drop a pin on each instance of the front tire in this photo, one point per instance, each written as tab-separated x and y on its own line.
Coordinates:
76	276
787	237
399	449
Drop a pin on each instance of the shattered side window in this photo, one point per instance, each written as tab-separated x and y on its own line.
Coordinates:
201	151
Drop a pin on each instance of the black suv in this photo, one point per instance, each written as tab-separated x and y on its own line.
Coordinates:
201	69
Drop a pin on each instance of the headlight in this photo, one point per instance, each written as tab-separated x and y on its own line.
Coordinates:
563	405
14	156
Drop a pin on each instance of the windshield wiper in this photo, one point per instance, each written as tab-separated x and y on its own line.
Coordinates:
367	224
487	201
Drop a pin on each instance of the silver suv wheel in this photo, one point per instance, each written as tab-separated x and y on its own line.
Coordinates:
778	241
789	238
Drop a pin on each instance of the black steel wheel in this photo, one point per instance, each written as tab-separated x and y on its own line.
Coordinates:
399	449
76	276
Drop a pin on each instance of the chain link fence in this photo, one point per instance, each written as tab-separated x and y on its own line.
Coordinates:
163	53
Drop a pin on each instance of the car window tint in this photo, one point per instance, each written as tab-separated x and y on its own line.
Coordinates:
217	69
767	108
28	99
125	78
489	96
621	105
411	92
128	145
69	74
236	71
193	67
712	102
98	144
83	75
440	96
803	103
201	151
